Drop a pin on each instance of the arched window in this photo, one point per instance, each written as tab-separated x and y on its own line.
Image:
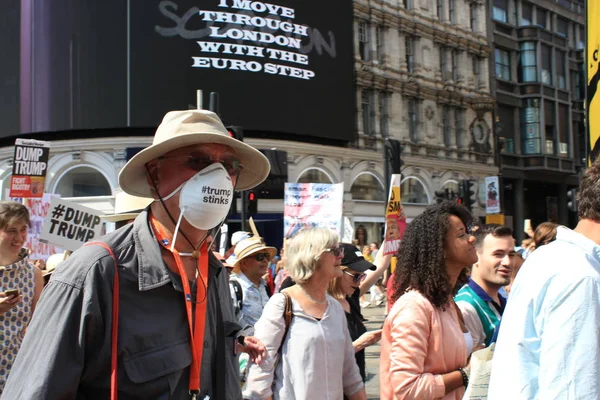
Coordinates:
83	182
413	192
366	186
314	175
453	188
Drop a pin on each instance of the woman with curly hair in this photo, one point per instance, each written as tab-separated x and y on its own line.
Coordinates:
424	345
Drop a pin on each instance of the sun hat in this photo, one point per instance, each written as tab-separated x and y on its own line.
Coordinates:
52	262
127	207
238	237
354	260
252	245
185	128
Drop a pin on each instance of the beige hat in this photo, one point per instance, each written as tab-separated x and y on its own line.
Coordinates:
250	246
185	128
52	262
127	207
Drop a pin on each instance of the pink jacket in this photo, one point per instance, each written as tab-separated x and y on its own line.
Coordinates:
420	343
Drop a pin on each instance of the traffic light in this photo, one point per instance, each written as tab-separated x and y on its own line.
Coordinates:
440	196
572	200
467	189
393	151
236	132
252	203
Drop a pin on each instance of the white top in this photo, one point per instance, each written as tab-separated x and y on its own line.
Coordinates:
317	357
468	342
549	341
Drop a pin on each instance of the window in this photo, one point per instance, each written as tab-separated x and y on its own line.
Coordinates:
581	41
379	38
412	120
455	70
476	65
530	127
562	27
452	11
446	126
563	130
413	192
407	4
550	127
472	16
546	65
576	85
314	175
527	63
440	9
459	119
502	64
507	123
526	14
500	10
540	17
83	182
367	187
383	113
444	67
363	41
367	111
561	72
409	53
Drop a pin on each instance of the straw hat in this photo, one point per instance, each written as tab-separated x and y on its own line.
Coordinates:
52	262
185	128
127	207
250	246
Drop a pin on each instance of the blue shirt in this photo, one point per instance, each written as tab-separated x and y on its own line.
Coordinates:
549	344
254	300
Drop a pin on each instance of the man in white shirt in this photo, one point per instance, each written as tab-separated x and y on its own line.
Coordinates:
480	300
549	341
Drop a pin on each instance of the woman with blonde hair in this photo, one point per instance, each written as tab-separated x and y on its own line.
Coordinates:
316	360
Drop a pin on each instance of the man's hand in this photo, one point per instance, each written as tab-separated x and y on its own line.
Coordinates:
255	349
7	303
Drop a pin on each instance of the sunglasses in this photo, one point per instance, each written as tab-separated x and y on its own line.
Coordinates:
197	161
357	278
262	256
337	251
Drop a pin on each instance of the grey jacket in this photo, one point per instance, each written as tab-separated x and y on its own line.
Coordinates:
66	351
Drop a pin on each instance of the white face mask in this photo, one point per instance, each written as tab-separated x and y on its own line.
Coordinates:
205	198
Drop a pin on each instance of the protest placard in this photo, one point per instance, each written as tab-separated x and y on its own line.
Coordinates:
311	205
395	219
29	168
70	225
492	198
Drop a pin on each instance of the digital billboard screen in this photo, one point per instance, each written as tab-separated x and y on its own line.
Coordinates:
284	66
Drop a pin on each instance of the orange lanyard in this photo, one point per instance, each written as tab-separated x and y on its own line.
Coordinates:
197	326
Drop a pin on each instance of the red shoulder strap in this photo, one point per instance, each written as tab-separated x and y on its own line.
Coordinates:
115	323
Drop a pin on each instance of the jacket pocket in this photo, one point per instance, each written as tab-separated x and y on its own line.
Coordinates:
158	362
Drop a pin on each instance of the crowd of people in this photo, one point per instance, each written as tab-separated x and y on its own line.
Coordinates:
151	311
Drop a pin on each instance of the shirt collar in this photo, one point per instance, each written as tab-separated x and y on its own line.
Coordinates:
152	271
483	294
243	279
587	245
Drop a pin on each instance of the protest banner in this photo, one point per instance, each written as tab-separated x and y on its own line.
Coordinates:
70	225
395	219
29	168
492	198
311	205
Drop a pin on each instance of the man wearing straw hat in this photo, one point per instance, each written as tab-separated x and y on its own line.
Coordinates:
127	207
248	288
176	326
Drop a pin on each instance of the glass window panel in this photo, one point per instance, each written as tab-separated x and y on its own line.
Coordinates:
526	14
314	175
500	10
367	187
413	192
83	182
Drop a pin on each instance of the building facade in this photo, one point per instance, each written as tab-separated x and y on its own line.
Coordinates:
422	72
539	87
